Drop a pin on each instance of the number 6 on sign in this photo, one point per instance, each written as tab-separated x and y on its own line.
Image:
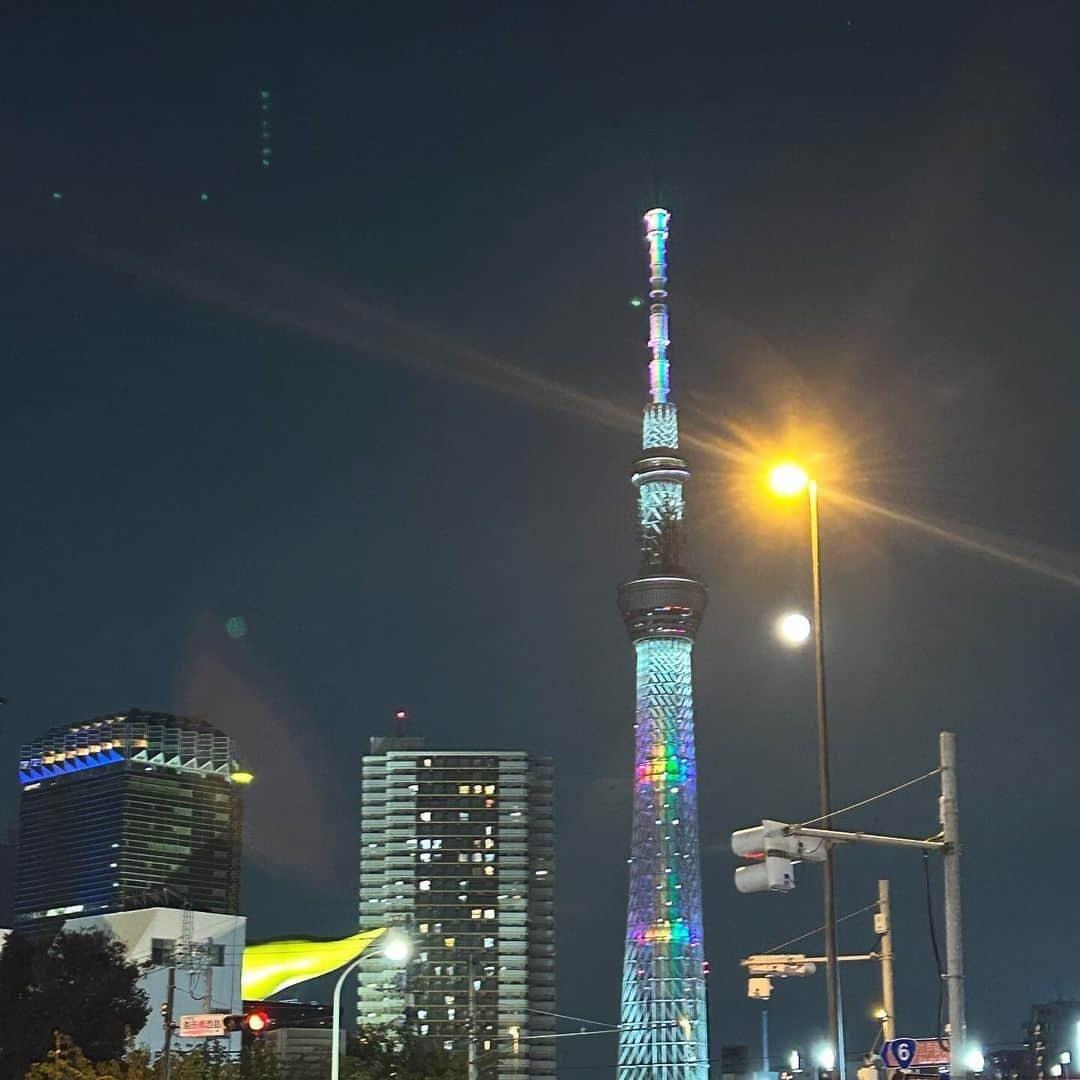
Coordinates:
899	1053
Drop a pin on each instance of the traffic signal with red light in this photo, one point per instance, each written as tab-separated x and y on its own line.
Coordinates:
255	1022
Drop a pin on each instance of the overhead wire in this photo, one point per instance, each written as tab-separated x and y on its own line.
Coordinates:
872	798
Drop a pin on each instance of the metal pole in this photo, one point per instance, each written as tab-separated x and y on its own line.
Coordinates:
888	1000
474	1069
954	946
166	1053
765	1041
335	1040
832	968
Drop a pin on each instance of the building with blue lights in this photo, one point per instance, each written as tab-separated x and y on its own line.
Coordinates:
127	811
663	1033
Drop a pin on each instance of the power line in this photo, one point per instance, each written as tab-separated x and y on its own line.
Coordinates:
873	798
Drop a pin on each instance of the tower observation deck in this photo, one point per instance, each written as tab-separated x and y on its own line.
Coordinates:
664	1032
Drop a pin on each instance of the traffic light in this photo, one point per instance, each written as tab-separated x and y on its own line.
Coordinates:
254	1022
774	856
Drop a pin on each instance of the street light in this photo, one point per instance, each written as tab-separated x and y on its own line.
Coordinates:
789	480
396	948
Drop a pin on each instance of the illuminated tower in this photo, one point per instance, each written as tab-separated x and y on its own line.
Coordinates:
664	1034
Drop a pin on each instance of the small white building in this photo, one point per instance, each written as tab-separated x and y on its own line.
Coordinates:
206	950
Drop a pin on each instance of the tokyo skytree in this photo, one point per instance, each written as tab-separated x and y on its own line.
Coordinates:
664	1032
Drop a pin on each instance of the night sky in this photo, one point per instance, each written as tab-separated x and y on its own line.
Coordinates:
380	400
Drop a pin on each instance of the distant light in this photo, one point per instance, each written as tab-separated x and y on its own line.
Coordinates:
793	628
401	714
236	627
974	1059
1055	1070
788	479
825	1058
880	1014
1066	1058
57	194
241	777
204	197
636	301
794	1061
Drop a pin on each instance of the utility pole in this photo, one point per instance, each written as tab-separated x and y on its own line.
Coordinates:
765	1040
883	926
474	1069
954	946
166	1012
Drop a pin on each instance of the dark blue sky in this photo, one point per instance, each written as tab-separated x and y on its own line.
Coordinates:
373	399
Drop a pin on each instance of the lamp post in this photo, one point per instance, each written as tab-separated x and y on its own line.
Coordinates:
789	480
396	949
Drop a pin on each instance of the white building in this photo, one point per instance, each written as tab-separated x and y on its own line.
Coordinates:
206	950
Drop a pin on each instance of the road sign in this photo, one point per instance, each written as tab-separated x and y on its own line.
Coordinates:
899	1053
202	1025
781	964
914	1053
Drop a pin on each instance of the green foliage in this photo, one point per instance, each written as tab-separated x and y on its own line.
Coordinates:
390	1053
79	984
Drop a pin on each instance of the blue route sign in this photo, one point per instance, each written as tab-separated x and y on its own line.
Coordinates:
899	1053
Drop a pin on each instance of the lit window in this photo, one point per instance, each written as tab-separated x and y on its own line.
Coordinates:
436	843
463	815
541	873
425	815
425	885
463	857
489	857
427	762
489	913
423	955
449	942
451	1014
489	870
489	789
477	857
421	1014
490	803
449	999
448	1044
487	1044
425	843
475	913
423	928
477	788
489	943
488	842
414	787
425	856
438	928
463	789
488	830
423	1028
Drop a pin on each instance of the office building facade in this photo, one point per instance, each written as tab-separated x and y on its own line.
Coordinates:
128	811
457	847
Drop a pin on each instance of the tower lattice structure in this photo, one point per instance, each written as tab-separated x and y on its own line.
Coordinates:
664	1034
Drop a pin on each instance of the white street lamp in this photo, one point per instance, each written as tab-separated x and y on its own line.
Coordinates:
396	948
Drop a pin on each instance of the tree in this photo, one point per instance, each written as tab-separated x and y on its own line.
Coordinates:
391	1053
79	984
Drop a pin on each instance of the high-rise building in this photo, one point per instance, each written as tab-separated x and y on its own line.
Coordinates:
127	811
1053	1034
663	1021
457	846
8	851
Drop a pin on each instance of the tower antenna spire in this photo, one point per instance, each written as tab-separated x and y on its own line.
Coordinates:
663	1029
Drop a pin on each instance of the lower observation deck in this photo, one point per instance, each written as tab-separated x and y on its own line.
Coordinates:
662	606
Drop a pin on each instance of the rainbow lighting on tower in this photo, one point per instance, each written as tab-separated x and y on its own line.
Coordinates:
663	1032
